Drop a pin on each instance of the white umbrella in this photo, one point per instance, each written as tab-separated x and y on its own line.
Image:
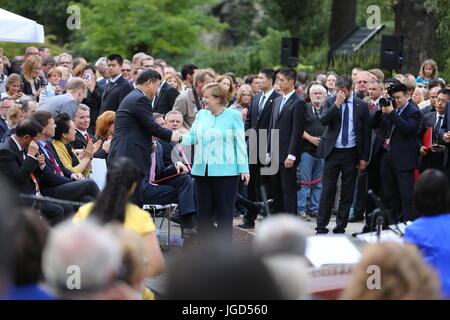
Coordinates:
15	28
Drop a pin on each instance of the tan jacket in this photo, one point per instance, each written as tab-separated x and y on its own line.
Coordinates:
185	103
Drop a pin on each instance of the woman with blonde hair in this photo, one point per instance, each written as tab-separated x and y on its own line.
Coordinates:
242	103
31	77
392	271
428	71
228	83
418	96
14	115
13	87
174	81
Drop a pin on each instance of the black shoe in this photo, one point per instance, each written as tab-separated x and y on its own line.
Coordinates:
321	230
356	218
338	231
175	218
246	224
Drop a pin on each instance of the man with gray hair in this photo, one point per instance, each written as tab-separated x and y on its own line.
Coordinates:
310	168
102	69
281	234
65	60
81	261
68	102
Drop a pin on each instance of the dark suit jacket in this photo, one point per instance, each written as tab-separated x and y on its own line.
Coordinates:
133	131
263	122
403	142
428	121
331	118
290	123
444	128
16	169
3	128
81	143
114	93
165	99
27	86
162	170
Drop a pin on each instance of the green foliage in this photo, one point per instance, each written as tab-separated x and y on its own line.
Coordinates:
12	49
52	14
153	26
440	9
243	59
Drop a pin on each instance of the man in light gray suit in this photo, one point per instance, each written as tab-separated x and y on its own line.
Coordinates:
68	102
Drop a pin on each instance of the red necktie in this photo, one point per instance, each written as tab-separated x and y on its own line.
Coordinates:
371	106
56	167
88	139
180	148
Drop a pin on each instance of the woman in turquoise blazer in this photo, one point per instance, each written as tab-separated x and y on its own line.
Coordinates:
220	159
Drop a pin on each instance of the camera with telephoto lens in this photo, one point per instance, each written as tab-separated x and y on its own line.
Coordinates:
385	101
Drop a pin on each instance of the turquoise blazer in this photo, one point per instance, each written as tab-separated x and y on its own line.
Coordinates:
219	143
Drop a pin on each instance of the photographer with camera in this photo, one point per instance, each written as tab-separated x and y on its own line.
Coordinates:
397	120
94	95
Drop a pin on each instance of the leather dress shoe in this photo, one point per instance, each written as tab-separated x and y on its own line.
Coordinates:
188	233
246	224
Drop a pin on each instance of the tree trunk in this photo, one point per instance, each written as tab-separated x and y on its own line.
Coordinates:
418	30
343	14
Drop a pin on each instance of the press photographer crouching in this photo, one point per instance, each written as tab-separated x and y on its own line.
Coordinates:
397	121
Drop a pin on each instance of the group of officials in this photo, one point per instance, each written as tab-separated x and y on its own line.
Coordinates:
342	133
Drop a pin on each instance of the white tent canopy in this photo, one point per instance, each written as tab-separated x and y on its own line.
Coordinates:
15	28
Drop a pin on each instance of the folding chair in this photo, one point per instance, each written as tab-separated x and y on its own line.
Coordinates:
167	211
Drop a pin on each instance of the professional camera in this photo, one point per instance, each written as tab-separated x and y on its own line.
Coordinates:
385	101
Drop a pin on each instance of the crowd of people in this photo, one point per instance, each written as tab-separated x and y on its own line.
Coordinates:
215	144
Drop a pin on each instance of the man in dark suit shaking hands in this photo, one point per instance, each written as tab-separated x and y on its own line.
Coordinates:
288	120
117	87
134	127
345	146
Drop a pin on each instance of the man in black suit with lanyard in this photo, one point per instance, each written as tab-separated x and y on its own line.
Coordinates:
134	127
345	146
117	86
288	119
258	120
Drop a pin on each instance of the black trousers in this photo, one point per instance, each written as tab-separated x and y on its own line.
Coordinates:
369	179
398	189
85	190
216	198
54	213
283	189
253	191
343	161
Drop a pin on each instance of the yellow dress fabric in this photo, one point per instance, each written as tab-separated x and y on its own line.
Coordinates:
65	158
136	219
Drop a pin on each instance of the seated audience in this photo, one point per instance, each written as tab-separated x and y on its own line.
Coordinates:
64	136
402	275
113	205
28	243
82	262
13	87
430	232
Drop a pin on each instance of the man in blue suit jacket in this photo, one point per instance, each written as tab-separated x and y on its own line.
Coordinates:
400	152
134	127
345	146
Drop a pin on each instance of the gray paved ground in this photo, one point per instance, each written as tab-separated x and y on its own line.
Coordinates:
242	237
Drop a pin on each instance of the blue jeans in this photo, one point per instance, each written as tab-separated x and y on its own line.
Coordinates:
309	169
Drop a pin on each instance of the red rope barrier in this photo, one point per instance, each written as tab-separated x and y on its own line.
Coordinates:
311	182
